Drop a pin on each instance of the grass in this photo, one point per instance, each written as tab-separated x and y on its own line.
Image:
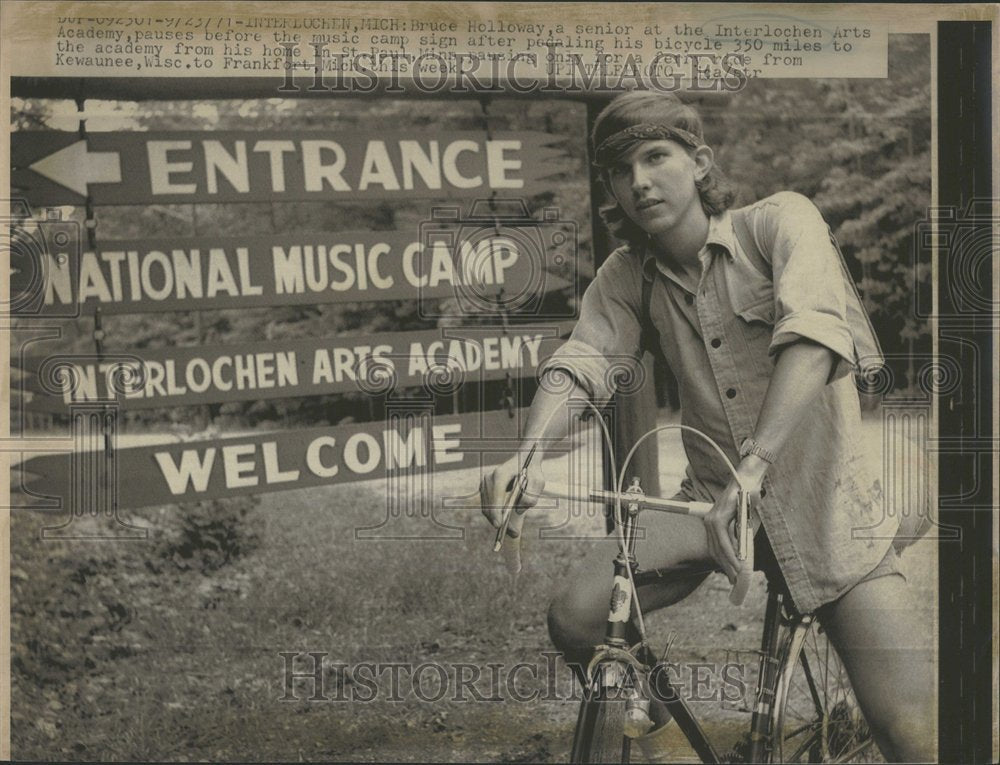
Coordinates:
132	651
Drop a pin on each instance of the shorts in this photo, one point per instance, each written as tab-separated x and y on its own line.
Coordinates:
888	566
765	561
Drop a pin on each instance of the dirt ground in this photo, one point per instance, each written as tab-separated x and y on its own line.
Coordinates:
171	648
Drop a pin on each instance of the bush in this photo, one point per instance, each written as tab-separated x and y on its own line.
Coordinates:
213	533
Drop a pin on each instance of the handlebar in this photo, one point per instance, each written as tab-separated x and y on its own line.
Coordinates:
645	502
744	548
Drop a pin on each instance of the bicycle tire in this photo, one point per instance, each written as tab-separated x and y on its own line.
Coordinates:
816	717
600	726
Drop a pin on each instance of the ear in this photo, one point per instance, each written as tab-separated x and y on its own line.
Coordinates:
704	158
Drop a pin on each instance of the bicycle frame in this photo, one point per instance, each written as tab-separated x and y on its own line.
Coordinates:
616	657
665	693
614	661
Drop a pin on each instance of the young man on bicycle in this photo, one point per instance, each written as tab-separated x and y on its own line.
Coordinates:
762	362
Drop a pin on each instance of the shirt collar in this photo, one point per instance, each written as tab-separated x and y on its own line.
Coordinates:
720	234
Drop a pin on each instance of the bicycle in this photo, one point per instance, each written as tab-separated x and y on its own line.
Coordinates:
804	709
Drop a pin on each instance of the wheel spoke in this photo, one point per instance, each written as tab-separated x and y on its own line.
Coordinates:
801	729
803	748
816	717
852	754
818	706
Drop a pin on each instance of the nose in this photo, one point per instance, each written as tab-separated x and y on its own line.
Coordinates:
640	177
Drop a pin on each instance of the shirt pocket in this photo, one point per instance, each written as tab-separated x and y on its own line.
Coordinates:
761	311
751	293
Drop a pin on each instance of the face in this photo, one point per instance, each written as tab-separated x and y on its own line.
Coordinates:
655	183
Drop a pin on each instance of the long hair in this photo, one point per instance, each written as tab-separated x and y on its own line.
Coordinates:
644	107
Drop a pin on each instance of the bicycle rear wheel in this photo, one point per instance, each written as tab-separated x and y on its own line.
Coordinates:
816	715
600	727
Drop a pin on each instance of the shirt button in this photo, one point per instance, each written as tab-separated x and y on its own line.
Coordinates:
716	342
731	393
689	299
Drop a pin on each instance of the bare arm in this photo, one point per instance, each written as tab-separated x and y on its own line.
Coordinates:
606	335
547	424
543	424
802	370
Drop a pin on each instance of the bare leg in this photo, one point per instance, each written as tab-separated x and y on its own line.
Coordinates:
877	630
579	612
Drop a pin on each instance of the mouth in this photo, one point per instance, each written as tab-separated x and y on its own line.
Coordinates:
645	204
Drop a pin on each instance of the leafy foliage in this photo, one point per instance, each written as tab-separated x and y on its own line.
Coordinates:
209	535
859	148
124	332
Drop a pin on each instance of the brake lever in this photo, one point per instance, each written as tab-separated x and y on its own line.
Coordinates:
742	525
513	497
744	549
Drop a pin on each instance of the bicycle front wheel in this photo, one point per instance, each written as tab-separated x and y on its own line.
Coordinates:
600	727
816	715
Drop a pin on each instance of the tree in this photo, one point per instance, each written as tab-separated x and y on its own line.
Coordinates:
861	150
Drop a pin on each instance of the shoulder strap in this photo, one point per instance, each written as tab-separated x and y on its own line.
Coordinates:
745	237
867	350
649	335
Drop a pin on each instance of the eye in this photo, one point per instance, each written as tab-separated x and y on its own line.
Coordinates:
617	171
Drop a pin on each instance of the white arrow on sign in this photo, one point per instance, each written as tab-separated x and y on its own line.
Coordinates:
74	167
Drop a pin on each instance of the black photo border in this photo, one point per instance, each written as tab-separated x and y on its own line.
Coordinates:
965	571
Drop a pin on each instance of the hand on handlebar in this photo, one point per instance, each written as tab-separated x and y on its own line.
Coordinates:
720	525
496	485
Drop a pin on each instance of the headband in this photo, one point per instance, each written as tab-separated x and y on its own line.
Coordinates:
618	143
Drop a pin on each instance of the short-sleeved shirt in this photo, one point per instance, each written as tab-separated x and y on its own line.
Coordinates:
721	341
